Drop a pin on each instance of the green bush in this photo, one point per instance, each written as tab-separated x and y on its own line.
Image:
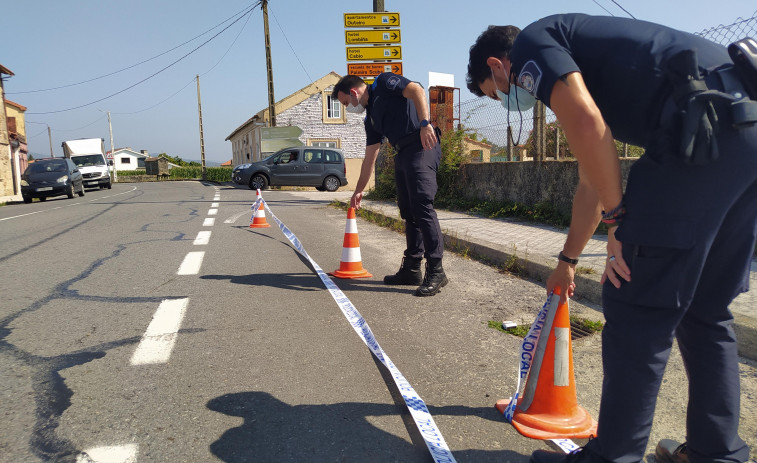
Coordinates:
213	174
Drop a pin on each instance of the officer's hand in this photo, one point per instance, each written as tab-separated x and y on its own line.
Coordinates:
562	276
615	266
357	197
428	137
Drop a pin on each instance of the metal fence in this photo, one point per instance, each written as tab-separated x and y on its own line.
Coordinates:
487	121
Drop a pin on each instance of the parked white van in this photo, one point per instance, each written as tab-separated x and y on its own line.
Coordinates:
89	155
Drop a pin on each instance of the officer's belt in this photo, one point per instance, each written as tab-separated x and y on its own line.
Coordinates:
411	139
695	100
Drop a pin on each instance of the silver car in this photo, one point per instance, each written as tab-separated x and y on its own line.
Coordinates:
322	168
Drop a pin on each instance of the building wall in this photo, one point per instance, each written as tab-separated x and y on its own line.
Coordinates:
133	161
308	116
6	167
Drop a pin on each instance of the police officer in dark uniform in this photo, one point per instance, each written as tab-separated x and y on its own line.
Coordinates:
396	108
681	237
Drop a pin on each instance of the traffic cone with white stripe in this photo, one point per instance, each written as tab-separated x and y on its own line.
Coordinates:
351	265
258	220
549	408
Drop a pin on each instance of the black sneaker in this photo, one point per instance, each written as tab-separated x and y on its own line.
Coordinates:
670	451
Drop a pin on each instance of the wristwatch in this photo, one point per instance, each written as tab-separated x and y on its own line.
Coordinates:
566	259
424	122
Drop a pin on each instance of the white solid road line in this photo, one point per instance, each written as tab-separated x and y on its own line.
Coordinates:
111	454
209	222
191	264
203	238
158	341
234	217
67	205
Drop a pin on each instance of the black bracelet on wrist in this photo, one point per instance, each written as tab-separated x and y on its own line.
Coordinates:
567	259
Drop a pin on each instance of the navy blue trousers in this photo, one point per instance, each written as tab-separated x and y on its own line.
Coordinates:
688	237
415	176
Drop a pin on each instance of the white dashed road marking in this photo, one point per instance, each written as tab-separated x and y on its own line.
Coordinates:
203	238
191	264
209	222
158	341
212	211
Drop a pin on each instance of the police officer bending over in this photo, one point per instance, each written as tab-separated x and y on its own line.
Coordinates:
682	236
396	109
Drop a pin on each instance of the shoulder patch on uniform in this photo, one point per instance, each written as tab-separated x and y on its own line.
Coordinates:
392	82
529	77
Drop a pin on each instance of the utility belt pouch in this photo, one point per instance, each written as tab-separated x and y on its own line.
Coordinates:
695	101
744	56
699	121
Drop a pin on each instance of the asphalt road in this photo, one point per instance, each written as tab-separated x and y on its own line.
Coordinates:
118	339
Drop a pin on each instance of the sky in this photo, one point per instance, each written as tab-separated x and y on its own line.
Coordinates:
159	47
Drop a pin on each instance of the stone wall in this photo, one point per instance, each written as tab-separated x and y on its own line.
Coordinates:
308	116
525	182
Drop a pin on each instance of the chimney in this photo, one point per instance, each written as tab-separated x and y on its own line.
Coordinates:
144	152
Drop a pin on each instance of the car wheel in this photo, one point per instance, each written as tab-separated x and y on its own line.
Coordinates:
258	182
27	199
109	186
331	183
70	192
81	192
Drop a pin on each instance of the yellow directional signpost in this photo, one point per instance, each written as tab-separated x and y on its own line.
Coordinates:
372	36
373	69
381	44
371	19
373	53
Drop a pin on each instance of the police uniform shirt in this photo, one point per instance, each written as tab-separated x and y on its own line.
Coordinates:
620	62
388	113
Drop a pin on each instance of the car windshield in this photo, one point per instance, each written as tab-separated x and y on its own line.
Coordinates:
89	160
49	166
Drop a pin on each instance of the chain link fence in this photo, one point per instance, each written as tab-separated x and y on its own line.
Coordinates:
486	121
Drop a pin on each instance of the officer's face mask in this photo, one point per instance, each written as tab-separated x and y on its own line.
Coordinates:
517	100
355	109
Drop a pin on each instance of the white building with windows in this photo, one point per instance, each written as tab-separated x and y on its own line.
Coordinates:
323	121
128	159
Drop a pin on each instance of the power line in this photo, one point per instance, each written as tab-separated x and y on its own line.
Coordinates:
146	78
627	12
290	45
246	10
600	5
193	79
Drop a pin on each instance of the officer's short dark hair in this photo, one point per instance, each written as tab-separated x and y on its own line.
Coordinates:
346	84
495	41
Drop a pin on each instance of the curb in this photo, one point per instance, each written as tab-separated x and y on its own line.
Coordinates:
540	268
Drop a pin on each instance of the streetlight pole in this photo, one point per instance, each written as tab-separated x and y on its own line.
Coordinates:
202	139
269	66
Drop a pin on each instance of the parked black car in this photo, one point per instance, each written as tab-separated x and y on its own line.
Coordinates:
51	177
322	168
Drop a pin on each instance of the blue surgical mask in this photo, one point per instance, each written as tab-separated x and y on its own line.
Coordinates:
517	100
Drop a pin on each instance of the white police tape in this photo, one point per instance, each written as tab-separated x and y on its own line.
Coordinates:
431	434
525	360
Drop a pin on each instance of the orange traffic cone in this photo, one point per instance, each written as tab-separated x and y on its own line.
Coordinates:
549	408
258	220
351	265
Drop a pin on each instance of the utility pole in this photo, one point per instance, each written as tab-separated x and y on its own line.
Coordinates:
269	66
50	137
202	139
378	6
112	149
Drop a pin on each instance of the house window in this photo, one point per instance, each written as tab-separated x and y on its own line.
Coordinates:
333	113
324	143
125	160
141	163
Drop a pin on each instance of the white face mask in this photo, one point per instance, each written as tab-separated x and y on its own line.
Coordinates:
355	109
517	100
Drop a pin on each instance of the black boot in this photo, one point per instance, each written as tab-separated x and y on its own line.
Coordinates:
434	280
408	274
